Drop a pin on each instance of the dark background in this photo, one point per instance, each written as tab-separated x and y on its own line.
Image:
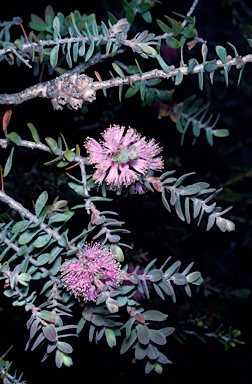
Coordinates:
222	257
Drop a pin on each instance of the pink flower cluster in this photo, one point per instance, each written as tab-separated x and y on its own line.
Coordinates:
96	269
122	159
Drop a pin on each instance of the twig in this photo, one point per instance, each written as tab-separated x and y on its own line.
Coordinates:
83	177
15	21
13	204
12	49
40	90
42	147
5	240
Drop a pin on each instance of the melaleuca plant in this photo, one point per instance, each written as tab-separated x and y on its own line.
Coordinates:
44	268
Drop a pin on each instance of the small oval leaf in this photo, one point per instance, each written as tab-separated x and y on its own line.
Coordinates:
34	133
64	347
143	334
8	164
41	202
50	332
15	138
110	337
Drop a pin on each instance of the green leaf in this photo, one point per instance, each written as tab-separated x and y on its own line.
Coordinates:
49	15
201	80
120	88
41	202
148	367
68	55
158	368
163	64
132	90
157	337
153	352
191	65
172	42
118	70
143	7
82	48
64	347
209	136
37	23
189	32
140	351
250	42
34	133
47	284
54	56
175	266
179	78
27	236
225	72
8	164
15	138
54	253
77	188
127	342
75	51
110	337
147	17
41	241
50	332
90	51
220	132
42	259
179	279
56	28
69	155
222	53
62	164
150	51
234	49
150	96
130	13
46	315
163	26
171	21
142	90
177	28
210	66
60	217
154	315
156	275
20	226
52	144
57	262
62	358
112	18
143	334
167	331
193	276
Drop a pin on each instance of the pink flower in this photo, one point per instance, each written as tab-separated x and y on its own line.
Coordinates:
122	159
96	269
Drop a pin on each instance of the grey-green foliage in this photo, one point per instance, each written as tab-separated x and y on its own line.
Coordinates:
193	114
79	36
72	38
34	246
